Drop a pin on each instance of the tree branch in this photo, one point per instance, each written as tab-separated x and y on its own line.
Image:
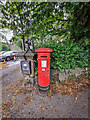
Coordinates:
21	26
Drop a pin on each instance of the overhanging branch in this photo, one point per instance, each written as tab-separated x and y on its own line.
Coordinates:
21	26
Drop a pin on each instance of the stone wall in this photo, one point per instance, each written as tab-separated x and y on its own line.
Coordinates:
56	75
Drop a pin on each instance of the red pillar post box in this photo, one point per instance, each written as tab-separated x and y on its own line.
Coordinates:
43	67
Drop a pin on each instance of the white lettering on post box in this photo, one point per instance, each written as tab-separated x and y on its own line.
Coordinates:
43	63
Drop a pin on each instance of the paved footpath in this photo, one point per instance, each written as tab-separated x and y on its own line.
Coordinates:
24	102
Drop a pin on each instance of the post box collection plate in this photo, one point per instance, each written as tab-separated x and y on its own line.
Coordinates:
43	63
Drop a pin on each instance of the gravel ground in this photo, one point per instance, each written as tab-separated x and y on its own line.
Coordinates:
19	101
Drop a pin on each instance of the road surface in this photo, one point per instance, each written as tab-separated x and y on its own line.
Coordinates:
19	101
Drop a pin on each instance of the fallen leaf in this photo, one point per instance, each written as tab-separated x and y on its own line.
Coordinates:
12	108
31	100
51	106
70	87
76	98
24	115
43	109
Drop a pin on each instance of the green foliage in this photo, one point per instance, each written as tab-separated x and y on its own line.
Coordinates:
18	43
4	47
68	21
57	82
17	40
36	67
47	18
67	55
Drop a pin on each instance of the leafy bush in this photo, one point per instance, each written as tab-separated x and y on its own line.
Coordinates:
18	43
4	47
67	55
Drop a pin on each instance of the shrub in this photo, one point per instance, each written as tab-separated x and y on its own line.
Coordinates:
4	47
67	55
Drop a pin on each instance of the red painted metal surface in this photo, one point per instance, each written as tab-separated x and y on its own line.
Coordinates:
43	66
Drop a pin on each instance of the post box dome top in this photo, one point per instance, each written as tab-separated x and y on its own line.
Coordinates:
41	50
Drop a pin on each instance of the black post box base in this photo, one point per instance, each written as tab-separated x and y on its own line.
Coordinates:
44	88
43	91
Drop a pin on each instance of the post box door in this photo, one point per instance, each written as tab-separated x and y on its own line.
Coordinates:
44	72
